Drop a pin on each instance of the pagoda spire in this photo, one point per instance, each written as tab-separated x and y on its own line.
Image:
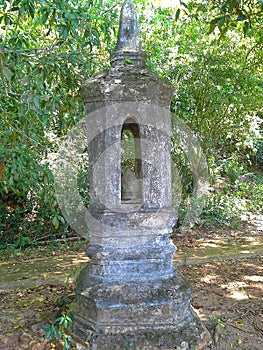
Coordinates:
128	45
128	37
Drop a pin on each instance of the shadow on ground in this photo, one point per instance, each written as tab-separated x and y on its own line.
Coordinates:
223	266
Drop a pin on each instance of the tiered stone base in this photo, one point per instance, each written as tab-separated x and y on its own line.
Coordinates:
138	316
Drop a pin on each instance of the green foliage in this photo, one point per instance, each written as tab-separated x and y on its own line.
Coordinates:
218	84
216	324
237	195
46	51
236	13
259	152
211	52
233	169
259	143
57	330
83	182
218	93
127	151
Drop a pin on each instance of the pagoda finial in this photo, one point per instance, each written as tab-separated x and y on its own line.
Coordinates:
128	44
128	36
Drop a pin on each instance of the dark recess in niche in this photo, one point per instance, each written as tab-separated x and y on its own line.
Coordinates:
131	162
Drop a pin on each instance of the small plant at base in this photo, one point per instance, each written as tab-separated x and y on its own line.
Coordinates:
57	330
217	325
75	272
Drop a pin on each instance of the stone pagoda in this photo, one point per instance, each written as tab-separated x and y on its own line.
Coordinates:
130	296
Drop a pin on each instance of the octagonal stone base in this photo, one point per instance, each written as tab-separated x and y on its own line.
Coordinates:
138	316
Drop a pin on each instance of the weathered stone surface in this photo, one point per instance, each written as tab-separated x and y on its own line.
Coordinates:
128	45
121	84
130	296
131	187
150	315
146	260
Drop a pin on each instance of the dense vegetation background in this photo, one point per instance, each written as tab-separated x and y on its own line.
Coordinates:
211	51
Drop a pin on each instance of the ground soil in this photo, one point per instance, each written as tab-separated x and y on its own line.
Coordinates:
227	288
227	295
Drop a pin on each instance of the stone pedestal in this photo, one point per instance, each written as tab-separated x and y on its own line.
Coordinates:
145	315
130	296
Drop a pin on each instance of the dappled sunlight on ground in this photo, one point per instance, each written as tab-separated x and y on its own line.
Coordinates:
238	295
254	278
39	271
227	289
217	243
209	278
228	296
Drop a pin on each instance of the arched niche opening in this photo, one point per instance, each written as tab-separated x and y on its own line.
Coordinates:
131	162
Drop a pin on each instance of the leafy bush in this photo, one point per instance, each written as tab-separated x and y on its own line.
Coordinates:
235	201
233	169
58	329
48	49
259	153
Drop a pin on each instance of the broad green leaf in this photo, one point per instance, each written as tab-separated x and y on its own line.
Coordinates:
245	27
177	14
55	222
7	73
36	101
241	16
44	17
213	24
